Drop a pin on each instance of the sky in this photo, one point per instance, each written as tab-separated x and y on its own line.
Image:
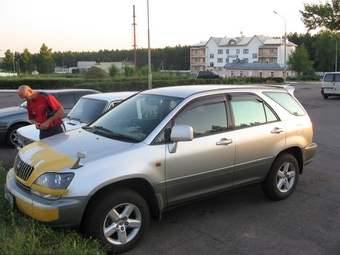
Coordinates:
93	25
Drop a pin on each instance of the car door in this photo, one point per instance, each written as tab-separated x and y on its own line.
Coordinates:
336	83
259	135
206	164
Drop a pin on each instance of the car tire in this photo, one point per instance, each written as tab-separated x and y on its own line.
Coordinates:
12	136
325	97
282	177
118	219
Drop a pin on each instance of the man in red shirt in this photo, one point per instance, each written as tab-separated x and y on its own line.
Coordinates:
43	110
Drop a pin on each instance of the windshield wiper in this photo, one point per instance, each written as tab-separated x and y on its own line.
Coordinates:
109	134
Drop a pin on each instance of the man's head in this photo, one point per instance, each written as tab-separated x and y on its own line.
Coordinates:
26	93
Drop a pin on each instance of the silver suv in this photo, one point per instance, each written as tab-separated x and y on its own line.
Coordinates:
159	149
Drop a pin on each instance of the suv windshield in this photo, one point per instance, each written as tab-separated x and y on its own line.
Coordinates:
134	119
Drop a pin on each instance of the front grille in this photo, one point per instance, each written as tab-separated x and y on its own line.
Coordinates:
23	170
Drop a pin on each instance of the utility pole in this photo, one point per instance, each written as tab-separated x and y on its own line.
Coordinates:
134	37
149	53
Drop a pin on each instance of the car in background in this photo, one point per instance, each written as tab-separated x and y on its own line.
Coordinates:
208	75
330	85
12	118
87	109
159	149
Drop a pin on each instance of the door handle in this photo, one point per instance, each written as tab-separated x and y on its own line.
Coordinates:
224	141
276	130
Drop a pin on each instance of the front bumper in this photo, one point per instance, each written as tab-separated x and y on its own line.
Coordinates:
64	212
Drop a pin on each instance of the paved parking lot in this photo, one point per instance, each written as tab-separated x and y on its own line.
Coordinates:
245	221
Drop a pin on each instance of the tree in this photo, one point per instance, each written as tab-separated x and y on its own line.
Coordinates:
299	60
129	71
325	51
26	61
113	70
322	16
8	61
45	63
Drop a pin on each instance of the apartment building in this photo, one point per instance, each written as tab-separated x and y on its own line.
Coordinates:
260	56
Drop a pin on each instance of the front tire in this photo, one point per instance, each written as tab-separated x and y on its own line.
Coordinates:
12	138
282	177
118	219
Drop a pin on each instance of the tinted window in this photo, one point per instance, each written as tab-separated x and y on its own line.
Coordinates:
66	100
87	110
328	78
206	116
249	110
287	102
337	77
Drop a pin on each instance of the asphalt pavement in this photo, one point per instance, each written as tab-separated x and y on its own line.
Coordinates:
246	222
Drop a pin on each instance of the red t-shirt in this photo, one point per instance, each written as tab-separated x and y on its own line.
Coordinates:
36	108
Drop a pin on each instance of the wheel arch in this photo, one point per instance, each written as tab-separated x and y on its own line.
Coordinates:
297	153
139	185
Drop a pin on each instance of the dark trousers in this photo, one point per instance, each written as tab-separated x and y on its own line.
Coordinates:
57	129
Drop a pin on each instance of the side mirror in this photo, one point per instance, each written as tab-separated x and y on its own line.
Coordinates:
181	133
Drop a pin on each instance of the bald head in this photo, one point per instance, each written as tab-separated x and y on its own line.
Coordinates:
26	93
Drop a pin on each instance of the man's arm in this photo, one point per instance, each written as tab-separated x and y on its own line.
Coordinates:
55	116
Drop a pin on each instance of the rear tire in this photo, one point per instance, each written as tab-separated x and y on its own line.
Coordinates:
118	219
282	177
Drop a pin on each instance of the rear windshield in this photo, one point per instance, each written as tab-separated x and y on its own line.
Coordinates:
287	102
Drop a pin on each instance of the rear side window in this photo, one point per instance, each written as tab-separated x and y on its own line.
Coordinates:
332	77
249	110
328	78
287	102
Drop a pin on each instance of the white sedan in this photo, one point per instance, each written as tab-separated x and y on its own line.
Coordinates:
87	109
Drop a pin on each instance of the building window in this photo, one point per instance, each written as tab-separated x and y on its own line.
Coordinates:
260	74
227	51
254	55
219	68
272	74
232	73
241	73
246	60
273	51
220	60
227	60
211	55
219	51
245	51
197	52
211	64
237	51
264	51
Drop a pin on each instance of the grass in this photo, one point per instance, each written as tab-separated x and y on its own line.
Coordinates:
22	235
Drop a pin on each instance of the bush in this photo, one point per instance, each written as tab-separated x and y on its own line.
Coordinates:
95	73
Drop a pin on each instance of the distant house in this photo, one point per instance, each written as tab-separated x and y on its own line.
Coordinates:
260	56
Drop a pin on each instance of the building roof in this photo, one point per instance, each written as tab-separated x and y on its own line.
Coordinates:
243	41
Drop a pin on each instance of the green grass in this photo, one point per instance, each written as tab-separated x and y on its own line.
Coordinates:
22	235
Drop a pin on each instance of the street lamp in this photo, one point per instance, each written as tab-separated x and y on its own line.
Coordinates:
285	51
336	52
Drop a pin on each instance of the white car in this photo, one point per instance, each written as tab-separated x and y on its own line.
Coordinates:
87	109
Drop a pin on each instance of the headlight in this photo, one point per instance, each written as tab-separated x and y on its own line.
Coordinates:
52	185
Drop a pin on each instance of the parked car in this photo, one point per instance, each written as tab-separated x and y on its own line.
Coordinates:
330	85
87	109
159	149
208	75
12	118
